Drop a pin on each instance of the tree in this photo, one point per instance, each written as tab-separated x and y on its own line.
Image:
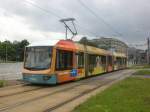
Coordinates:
20	49
12	51
85	41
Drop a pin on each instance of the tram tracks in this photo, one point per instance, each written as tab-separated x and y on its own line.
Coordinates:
29	90
65	88
46	95
42	96
25	88
14	86
74	98
36	98
53	108
20	92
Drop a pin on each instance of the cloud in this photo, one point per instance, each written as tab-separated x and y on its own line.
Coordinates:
16	28
130	18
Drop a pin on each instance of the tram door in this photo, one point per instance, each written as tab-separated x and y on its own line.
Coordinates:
86	67
82	62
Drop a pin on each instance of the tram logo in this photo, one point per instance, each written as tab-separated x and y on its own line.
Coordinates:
74	73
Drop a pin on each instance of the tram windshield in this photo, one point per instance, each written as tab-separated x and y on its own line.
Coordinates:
38	58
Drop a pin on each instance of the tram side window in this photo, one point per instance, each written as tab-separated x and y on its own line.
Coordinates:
118	61
103	58
80	61
64	60
124	61
110	60
92	61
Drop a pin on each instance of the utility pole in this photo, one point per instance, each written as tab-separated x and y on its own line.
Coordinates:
148	50
6	53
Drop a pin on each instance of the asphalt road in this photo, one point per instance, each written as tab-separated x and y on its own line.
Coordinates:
10	71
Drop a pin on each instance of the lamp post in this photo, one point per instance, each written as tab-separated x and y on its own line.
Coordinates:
148	50
6	53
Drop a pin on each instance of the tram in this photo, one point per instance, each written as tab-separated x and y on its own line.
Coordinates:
59	61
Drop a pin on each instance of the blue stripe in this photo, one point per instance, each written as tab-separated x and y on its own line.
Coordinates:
40	79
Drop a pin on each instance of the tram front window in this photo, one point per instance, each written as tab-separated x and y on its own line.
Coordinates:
38	58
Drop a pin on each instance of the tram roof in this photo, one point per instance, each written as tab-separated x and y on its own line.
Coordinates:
119	54
44	43
92	50
62	44
70	45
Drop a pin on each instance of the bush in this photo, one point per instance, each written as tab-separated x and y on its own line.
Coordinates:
142	72
2	83
140	67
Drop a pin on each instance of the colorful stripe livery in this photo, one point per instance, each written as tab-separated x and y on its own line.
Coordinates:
60	61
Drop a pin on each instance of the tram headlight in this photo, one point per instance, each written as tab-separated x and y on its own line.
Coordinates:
46	77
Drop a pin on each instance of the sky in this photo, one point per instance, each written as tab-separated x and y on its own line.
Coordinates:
127	20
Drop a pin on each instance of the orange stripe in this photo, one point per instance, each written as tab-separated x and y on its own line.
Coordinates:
64	78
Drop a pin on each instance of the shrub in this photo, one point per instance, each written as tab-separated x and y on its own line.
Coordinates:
2	83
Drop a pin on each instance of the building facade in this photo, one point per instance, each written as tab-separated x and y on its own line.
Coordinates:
111	44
